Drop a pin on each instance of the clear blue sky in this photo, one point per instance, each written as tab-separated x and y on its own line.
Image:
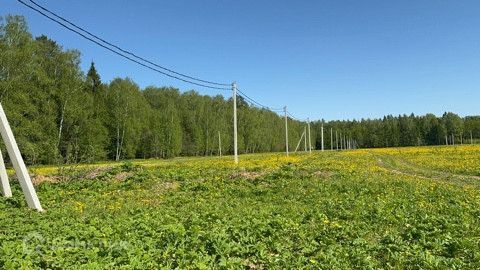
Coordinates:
324	59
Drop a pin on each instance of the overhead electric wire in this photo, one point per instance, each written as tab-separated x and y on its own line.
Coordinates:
242	94
124	51
294	118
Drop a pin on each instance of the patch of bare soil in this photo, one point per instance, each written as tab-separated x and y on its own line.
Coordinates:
323	174
247	175
38	179
93	174
166	186
120	177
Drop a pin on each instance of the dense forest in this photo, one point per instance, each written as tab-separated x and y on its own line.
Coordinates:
60	114
402	130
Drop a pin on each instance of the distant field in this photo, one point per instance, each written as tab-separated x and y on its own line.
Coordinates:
414	208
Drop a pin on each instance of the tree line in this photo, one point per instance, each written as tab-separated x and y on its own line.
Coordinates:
60	114
402	130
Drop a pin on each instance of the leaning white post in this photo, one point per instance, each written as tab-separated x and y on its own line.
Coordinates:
286	130
299	142
5	186
18	163
235	138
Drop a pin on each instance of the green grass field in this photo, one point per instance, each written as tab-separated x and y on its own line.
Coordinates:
408	208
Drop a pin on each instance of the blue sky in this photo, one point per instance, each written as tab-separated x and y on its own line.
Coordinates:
323	59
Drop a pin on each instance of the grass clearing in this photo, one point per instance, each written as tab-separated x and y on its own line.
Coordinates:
330	210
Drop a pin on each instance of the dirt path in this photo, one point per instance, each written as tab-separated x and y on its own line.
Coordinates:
402	167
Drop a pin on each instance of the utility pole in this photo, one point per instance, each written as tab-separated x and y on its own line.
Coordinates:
309	138
341	141
336	138
323	148
219	144
235	138
331	139
299	142
305	139
286	130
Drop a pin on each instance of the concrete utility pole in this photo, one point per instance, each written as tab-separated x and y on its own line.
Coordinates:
323	148
336	138
286	130
299	142
18	164
219	144
341	141
331	138
235	137
305	139
309	138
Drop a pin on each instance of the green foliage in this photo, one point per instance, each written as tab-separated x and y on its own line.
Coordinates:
331	210
59	114
403	130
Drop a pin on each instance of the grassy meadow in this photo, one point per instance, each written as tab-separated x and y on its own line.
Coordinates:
397	208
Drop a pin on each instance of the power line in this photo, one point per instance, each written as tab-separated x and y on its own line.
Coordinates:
294	118
256	102
124	51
